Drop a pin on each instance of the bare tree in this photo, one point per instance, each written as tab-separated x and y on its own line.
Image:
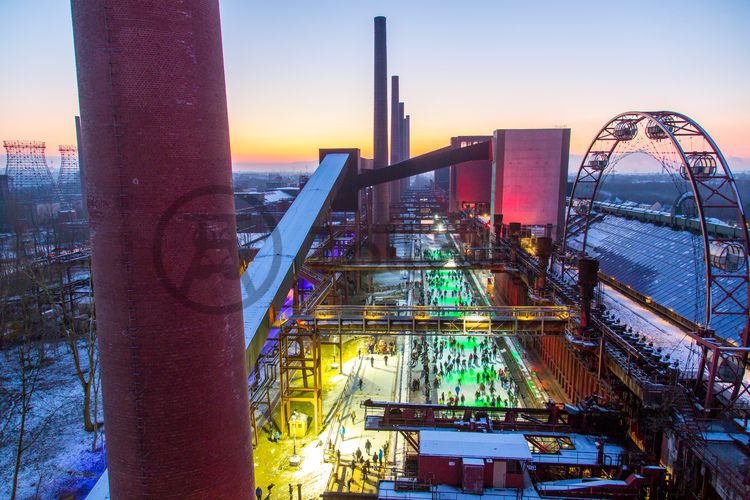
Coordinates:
96	385
28	371
81	339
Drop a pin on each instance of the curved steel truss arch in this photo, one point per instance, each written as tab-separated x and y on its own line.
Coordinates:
687	151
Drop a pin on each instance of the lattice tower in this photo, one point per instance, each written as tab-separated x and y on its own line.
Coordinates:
69	179
27	168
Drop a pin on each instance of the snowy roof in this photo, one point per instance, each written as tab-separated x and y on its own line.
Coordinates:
277	195
659	262
387	490
473	445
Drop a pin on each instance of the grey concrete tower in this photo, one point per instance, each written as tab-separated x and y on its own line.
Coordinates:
396	119
381	192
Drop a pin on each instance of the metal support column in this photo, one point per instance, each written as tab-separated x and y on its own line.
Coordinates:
300	362
710	382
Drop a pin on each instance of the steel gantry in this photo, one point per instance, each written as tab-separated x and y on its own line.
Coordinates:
343	265
443	320
300	366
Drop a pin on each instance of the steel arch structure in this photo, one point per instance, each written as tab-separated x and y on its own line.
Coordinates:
684	148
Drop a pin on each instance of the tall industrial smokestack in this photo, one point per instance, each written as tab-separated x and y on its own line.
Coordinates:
395	122
396	118
380	127
381	192
156	136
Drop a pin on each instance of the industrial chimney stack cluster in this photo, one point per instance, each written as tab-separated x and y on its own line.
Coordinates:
386	194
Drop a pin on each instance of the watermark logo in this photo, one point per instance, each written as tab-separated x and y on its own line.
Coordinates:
199	272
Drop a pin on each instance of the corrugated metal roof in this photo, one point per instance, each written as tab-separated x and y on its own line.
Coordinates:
660	262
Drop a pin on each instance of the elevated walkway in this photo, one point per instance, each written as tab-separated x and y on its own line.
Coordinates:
449	320
329	265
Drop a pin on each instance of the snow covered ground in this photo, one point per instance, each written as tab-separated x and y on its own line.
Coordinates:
59	460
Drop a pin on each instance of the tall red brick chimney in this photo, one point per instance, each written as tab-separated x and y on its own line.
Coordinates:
156	148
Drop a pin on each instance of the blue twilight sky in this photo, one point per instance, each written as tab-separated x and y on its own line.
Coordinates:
299	73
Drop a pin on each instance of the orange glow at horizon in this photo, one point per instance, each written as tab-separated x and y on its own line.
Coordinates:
299	83
285	150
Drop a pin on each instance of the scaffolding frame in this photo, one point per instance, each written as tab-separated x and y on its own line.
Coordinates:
300	374
69	178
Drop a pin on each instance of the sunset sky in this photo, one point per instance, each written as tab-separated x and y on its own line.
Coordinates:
299	73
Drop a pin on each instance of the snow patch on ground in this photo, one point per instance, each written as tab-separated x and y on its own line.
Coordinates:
59	461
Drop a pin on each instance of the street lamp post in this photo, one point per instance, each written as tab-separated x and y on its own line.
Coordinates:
294	459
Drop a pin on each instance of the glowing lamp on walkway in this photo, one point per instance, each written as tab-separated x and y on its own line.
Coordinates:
294	421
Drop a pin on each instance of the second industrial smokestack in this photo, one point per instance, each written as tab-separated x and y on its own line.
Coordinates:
405	139
405	150
396	147
395	123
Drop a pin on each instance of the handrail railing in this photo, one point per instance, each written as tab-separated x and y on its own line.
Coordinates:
469	313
